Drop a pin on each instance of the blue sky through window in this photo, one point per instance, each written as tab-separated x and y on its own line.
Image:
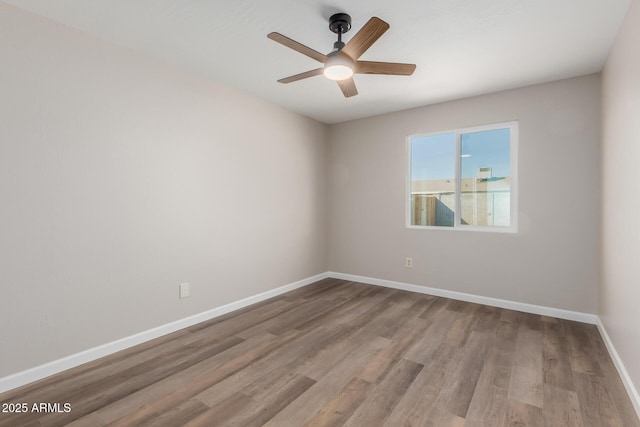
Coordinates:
433	157
485	149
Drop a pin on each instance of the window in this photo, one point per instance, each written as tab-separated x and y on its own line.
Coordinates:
464	179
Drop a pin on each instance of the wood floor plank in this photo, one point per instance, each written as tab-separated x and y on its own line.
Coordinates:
91	420
523	415
404	299
411	311
561	407
527	374
487	318
439	418
459	332
338	410
271	400
489	403
244	317
322	362
348	312
464	372
416	407
379	367
581	349
596	404
305	355
506	333
187	391
341	352
279	361
556	357
382	399
318	289
312	354
179	415
126	382
439	304
159	390
423	348
289	320
301	409
223	412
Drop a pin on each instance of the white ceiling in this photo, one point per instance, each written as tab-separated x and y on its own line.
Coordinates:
461	47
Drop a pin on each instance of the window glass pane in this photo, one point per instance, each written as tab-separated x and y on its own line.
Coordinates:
433	184
485	186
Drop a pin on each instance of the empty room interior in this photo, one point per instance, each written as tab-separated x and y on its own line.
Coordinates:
199	226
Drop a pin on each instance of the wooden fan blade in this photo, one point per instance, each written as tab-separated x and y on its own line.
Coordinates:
348	87
368	35
301	76
298	47
388	68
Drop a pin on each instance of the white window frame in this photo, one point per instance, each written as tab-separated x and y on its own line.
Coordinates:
457	224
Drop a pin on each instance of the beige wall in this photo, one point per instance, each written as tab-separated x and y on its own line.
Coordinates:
552	261
620	292
121	177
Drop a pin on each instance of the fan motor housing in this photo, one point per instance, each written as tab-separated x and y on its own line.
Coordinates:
340	23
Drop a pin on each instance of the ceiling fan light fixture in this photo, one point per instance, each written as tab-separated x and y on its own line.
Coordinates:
338	68
344	60
338	72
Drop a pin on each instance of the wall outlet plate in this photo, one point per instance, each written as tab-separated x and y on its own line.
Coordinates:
184	290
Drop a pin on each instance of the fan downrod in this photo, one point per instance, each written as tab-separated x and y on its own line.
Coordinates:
340	23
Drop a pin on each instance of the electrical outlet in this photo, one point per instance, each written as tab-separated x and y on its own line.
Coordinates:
184	290
408	262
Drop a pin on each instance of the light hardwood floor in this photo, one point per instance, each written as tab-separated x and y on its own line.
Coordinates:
343	353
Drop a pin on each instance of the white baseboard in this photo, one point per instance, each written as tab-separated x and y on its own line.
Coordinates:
39	372
632	391
495	302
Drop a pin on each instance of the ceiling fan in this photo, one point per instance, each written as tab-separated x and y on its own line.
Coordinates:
342	62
